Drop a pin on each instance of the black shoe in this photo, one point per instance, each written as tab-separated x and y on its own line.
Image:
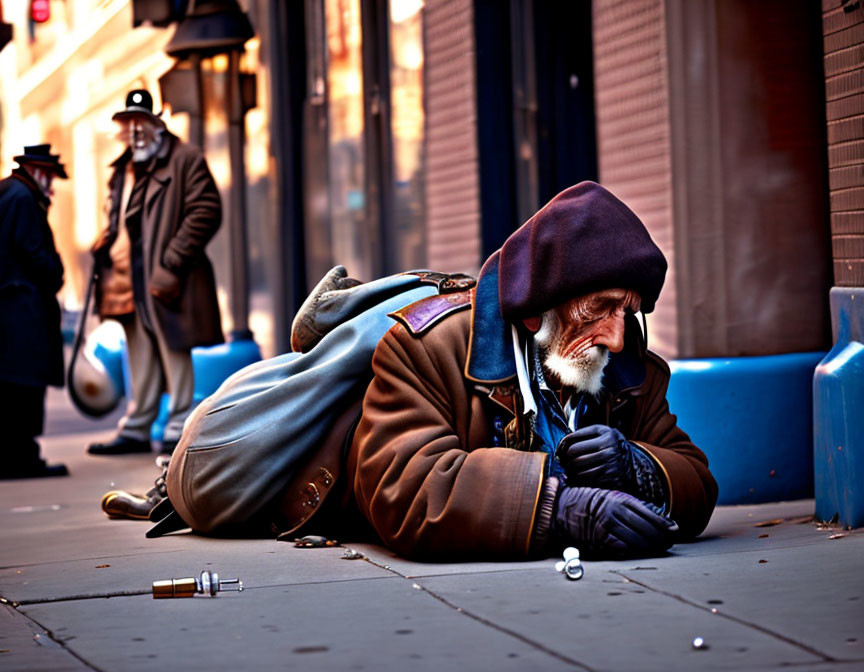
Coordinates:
38	470
121	445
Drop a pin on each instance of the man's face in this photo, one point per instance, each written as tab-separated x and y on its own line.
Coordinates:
141	135
44	178
575	338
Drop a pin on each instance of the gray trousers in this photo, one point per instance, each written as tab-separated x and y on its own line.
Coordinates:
155	369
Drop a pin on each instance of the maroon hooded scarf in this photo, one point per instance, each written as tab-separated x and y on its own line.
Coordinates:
584	240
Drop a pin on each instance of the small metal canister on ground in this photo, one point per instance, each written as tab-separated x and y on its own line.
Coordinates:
571	565
208	584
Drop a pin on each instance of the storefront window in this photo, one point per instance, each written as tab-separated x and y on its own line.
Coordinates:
407	127
351	244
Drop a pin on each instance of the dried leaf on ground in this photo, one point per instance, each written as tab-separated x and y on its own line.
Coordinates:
769	523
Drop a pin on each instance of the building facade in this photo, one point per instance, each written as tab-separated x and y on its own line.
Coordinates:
395	134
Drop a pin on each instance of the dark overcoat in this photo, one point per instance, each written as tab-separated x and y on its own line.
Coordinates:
182	212
31	273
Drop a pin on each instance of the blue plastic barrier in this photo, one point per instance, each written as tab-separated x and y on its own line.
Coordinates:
753	418
838	414
211	366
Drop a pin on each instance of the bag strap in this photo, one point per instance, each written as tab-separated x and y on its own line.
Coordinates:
79	403
447	283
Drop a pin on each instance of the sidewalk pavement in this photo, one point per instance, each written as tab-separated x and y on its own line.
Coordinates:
764	587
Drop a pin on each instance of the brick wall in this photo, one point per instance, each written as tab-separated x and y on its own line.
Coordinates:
633	145
452	187
710	127
843	29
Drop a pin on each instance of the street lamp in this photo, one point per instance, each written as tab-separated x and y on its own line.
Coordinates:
210	28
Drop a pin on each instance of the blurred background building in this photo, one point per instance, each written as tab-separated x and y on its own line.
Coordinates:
392	134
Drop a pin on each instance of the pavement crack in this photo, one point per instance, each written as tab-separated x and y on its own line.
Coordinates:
134	593
736	619
41	631
512	633
73	598
485	621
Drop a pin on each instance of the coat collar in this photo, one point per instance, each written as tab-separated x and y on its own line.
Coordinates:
25	177
123	159
490	350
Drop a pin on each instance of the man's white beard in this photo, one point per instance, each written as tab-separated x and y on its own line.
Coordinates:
584	372
144	141
141	154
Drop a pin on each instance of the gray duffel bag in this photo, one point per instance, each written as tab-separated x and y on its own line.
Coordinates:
242	445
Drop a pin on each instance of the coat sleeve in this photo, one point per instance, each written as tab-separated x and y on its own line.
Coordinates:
34	247
428	494
202	211
692	488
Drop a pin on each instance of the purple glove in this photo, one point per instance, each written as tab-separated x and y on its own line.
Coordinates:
600	457
609	522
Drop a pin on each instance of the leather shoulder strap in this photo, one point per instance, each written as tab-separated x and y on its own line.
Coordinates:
422	315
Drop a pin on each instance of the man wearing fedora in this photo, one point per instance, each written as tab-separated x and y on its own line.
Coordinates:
155	277
31	345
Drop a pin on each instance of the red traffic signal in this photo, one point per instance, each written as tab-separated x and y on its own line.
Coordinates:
40	10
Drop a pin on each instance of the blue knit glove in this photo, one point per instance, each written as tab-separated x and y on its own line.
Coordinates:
608	522
600	457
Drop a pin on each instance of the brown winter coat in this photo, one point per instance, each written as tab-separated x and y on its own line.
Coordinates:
427	479
182	212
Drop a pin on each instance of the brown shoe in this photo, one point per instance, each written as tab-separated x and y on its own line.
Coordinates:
121	504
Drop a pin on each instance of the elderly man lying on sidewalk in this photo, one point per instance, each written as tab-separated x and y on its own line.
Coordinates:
538	419
504	418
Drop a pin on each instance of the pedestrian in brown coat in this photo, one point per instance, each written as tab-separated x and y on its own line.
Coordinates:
537	419
156	279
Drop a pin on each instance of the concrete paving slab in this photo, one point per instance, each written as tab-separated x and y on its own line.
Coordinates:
257	563
356	625
743	528
608	624
61	417
811	595
834	666
60	518
26	647
411	568
309	608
